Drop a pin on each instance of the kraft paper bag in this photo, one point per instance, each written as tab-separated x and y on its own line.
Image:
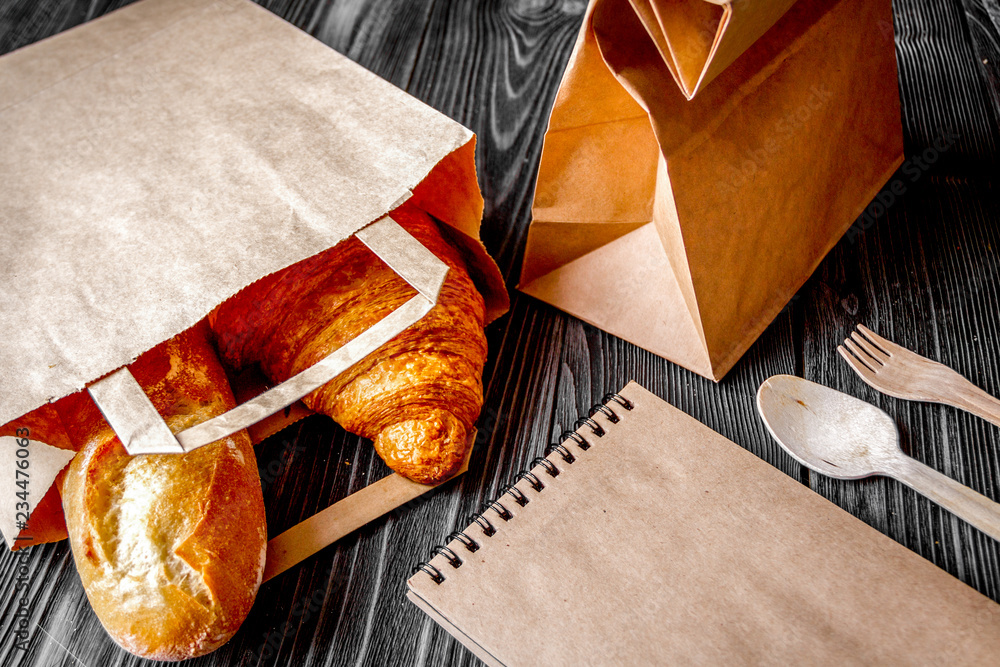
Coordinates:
685	225
698	39
150	174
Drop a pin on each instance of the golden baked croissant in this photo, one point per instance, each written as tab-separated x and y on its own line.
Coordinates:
416	396
170	547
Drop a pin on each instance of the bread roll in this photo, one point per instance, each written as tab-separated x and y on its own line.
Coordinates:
170	548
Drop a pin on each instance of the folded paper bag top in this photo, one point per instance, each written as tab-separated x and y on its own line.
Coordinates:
151	174
698	39
686	225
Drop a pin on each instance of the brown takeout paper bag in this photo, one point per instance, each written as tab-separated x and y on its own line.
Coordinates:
698	39
161	158
685	226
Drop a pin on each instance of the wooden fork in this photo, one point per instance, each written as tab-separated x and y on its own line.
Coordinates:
896	371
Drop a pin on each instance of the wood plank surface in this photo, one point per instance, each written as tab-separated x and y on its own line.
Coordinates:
925	275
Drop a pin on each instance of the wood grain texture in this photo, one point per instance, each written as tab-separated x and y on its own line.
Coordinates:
939	301
944	85
925	274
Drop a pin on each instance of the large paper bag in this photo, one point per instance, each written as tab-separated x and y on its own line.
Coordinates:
150	174
686	225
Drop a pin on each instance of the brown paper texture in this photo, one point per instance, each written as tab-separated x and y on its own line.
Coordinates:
698	39
142	430
747	186
640	552
149	179
152	175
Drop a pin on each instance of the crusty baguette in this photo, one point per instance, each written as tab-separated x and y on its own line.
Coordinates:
170	548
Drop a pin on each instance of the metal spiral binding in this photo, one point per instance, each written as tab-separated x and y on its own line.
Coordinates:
452	557
549	466
618	398
435	573
499	508
577	438
594	427
479	518
606	411
483	523
563	452
470	544
518	495
535	483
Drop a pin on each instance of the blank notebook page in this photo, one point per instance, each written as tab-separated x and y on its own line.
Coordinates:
664	542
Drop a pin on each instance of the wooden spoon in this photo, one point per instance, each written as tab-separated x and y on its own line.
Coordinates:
844	437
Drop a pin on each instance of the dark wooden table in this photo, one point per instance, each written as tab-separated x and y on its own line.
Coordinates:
925	275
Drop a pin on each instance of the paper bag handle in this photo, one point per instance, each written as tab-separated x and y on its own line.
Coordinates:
142	430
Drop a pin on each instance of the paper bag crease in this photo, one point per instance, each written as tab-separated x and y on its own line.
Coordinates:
121	174
152	175
748	184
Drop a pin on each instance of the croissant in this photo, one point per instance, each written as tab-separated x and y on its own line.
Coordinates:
418	395
170	548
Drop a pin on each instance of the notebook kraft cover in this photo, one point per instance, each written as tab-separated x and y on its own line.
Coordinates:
665	543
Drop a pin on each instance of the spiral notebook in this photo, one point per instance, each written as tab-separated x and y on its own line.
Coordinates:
647	538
